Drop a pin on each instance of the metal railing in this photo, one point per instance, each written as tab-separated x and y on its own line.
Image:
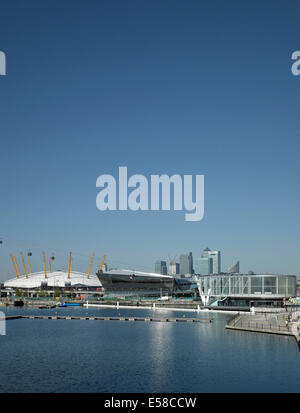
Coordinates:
233	321
264	326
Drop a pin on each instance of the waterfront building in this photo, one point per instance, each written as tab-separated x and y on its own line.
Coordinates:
245	290
216	258
203	266
119	283
161	267
186	263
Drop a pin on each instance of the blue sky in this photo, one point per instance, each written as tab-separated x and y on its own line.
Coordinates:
196	87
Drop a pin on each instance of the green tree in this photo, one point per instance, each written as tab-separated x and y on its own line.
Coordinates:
18	293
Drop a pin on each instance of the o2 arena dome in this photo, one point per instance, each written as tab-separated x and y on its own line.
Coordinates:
52	279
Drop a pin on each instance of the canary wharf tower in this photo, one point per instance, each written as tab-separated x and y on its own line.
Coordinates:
216	259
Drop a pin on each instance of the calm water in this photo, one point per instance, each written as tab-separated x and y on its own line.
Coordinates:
112	356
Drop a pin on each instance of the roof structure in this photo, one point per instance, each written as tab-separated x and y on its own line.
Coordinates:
54	279
140	273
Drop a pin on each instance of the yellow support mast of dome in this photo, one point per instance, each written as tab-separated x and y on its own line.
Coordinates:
29	263
18	270
14	265
102	262
90	266
70	265
24	266
44	264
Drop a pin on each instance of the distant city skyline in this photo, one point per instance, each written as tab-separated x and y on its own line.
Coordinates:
163	87
208	264
81	263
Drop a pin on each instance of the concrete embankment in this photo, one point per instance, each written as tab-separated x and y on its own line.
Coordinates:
280	324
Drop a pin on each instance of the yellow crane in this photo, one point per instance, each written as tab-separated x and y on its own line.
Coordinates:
70	265
90	266
24	266
44	264
102	262
29	254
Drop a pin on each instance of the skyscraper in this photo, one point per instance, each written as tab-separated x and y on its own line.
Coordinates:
161	267
203	266
186	263
216	259
174	268
235	268
205	252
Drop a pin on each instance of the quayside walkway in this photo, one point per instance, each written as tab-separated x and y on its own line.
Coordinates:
283	323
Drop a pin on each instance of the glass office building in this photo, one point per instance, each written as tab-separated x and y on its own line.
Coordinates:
161	267
241	289
203	266
186	263
216	259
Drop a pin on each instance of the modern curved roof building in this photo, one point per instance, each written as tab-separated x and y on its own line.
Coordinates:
59	279
130	282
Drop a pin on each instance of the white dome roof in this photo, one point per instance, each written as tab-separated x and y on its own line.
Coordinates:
54	279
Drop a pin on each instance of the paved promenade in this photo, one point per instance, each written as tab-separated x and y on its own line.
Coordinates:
284	323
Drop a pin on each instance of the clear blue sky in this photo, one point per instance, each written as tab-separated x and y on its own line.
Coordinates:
186	87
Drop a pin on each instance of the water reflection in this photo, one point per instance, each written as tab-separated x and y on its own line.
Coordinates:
97	356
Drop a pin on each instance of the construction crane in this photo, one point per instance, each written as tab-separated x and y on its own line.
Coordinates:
70	265
102	262
24	266
44	264
29	254
90	266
